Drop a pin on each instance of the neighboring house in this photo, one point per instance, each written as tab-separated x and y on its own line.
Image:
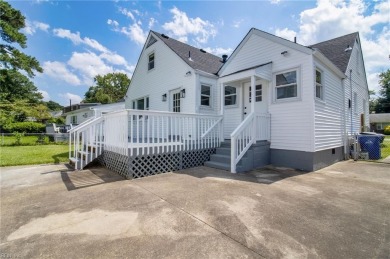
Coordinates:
278	101
379	121
79	113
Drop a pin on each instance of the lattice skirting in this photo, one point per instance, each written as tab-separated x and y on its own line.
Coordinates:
146	165
116	162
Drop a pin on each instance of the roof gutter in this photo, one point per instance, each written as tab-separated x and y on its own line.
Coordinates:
328	63
202	73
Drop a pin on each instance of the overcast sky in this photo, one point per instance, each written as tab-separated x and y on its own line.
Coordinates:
77	40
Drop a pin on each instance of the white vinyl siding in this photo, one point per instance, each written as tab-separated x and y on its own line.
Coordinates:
328	113
360	87
292	123
163	79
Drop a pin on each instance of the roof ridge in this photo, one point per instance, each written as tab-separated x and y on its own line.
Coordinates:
349	34
160	35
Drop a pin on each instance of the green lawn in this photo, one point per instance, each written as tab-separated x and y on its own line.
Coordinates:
26	140
29	155
385	147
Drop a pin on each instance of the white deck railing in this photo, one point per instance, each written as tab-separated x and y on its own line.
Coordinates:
116	132
138	132
86	142
153	132
263	126
254	127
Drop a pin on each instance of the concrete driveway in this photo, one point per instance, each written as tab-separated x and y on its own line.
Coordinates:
342	211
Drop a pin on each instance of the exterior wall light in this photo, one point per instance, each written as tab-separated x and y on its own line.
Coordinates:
284	53
164	97
183	93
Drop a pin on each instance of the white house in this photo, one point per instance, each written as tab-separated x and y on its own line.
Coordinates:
278	102
379	121
79	113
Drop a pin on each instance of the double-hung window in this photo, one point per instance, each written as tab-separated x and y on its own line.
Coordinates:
141	104
151	61
205	95
73	119
286	85
230	95
258	93
319	85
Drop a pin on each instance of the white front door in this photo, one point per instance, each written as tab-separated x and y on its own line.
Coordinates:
257	96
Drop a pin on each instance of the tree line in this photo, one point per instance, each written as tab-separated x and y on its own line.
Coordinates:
20	100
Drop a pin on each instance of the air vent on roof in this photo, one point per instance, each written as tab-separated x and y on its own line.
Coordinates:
164	36
202	50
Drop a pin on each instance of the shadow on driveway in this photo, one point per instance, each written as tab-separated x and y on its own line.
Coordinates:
267	175
75	180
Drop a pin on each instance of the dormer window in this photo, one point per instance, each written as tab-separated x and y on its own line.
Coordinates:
151	62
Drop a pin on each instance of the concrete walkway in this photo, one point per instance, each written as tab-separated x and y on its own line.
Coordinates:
342	211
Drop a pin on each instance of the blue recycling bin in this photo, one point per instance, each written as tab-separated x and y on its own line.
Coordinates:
372	145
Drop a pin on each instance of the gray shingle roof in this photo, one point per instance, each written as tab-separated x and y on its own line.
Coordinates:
379	117
334	49
206	62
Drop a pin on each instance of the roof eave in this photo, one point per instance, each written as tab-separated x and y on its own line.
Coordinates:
328	63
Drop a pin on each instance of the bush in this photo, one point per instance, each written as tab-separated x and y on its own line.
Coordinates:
387	130
18	138
27	127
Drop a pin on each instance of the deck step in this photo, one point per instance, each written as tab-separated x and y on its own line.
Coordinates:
220	158
223	151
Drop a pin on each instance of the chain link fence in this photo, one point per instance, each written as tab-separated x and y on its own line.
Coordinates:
32	139
370	147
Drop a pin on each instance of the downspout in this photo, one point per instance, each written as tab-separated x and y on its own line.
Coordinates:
350	84
346	142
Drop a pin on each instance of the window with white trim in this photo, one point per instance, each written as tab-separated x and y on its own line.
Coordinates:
205	95
258	93
151	61
230	95
73	119
141	104
319	85
286	85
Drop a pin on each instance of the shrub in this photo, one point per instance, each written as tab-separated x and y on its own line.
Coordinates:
18	138
27	127
387	130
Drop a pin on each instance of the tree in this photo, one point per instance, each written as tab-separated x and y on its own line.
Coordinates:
12	60
383	103
53	106
372	100
109	88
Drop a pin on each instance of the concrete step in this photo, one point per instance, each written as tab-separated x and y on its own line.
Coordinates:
218	165
223	151
226	144
220	158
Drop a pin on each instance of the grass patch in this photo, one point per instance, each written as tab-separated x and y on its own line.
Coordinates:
385	147
26	140
30	155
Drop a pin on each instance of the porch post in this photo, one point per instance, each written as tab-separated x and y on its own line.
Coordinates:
253	93
222	100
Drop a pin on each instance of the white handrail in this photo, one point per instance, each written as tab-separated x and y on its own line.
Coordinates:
84	124
241	140
211	128
87	142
